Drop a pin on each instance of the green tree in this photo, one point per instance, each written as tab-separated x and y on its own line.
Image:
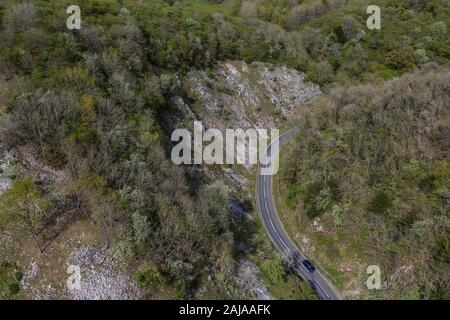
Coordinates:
216	196
141	227
10	276
22	205
149	277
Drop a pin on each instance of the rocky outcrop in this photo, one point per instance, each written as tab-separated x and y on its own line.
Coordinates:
99	278
238	95
249	280
6	169
235	95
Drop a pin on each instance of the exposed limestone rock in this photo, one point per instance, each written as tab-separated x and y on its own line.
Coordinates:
248	278
6	169
99	276
248	96
239	96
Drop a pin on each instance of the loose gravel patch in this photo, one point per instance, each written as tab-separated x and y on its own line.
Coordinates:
100	279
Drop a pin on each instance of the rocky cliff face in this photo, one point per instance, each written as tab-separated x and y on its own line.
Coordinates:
238	95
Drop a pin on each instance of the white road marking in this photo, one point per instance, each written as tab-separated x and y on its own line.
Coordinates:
271	223
284	244
320	286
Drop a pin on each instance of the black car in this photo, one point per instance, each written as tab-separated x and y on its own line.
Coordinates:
308	265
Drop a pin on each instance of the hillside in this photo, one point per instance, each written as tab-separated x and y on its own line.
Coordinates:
86	176
367	183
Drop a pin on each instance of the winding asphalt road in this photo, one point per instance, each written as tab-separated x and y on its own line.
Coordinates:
276	231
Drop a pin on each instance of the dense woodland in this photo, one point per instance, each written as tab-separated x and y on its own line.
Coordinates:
92	102
373	159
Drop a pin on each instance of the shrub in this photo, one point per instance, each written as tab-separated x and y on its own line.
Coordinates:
380	203
248	11
180	290
20	17
10	276
273	271
319	197
141	227
293	192
401	58
304	12
357	60
216	196
40	118
336	213
324	73
351	27
77	79
24	205
421	56
312	41
332	49
149	277
167	84
438	30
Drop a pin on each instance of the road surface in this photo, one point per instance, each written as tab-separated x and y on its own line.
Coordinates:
277	233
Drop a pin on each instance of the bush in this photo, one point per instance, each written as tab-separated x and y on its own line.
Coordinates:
421	56
380	203
216	196
312	41
273	271
149	277
141	227
324	73
401	58
20	17
248	11
43	118
168	83
10	276
332	49
319	197
302	13
293	192
438	30
356	60
351	27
